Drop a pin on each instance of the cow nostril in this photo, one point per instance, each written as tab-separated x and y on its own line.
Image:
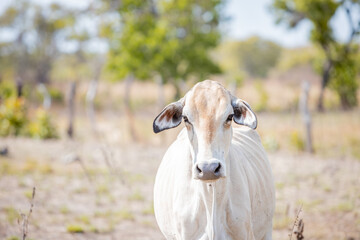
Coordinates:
217	170
197	167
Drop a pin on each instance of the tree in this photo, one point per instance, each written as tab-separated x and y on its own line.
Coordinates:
193	26
165	39
38	30
254	56
339	67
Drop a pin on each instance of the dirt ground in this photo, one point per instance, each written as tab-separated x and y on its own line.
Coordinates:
105	191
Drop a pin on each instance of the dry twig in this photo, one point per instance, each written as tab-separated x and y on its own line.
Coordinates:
24	221
296	223
300	229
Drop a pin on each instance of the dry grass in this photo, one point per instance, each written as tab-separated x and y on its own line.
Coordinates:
108	195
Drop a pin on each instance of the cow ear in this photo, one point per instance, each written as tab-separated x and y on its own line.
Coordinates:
170	117
243	114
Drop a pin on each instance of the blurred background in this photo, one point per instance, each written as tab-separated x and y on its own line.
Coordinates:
82	81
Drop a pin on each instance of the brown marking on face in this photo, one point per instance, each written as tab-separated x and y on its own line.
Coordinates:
208	102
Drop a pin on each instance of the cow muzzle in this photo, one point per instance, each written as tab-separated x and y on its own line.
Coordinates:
209	171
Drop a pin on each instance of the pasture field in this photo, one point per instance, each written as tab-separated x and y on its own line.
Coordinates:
99	186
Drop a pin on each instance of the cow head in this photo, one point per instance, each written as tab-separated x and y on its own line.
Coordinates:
208	110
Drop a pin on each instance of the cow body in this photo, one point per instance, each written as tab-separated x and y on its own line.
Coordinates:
214	182
245	199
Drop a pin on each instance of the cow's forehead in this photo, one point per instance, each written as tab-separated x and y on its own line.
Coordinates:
208	99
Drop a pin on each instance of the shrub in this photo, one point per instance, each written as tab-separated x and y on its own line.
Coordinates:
42	126
14	120
13	117
297	141
7	90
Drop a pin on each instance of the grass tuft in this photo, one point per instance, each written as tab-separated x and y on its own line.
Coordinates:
75	229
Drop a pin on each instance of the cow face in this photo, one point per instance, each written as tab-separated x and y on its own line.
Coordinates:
208	110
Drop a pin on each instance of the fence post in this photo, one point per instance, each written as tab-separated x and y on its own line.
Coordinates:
71	105
304	109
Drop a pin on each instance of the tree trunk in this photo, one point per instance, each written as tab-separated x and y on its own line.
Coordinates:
19	87
128	111
71	105
46	96
325	80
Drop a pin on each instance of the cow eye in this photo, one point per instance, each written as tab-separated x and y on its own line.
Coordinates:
230	117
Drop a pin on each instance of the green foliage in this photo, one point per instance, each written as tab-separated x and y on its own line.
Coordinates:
40	32
254	56
167	38
13	118
32	60
344	82
318	12
7	90
292	58
337	58
42	127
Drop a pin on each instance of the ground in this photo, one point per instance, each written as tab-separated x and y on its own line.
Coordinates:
99	185
104	191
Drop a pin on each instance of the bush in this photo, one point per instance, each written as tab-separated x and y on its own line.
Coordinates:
42	126
344	82
297	141
7	90
13	117
14	120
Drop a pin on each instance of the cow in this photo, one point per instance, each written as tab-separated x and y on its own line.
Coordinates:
214	182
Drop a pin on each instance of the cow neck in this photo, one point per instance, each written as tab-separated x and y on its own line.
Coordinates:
214	197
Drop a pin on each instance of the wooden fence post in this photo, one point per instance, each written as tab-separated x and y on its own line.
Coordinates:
71	105
304	108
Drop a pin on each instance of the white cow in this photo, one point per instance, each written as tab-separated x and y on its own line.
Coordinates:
214	182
